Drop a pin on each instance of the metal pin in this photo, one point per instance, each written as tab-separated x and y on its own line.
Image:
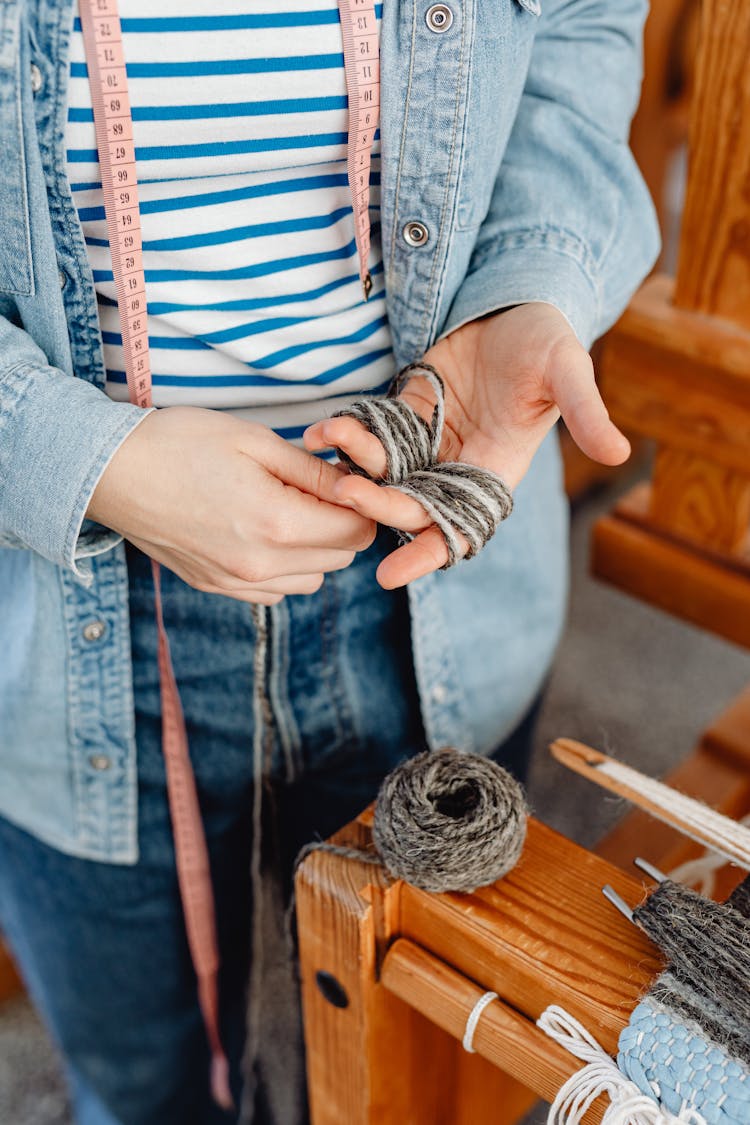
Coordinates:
649	869
611	894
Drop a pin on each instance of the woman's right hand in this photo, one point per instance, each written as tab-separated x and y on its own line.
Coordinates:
228	505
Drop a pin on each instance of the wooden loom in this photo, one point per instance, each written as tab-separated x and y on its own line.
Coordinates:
390	973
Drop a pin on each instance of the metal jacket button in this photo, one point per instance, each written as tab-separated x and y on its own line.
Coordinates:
100	762
439	18
94	631
415	233
36	78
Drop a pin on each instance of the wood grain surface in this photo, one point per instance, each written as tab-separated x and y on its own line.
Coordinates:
676	369
544	934
713	274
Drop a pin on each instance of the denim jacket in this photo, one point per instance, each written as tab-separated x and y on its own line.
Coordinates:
505	133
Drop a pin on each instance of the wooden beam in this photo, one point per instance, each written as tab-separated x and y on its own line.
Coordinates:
506	1039
679	378
709	590
544	934
713	274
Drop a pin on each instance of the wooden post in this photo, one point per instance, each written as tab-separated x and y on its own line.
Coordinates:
677	369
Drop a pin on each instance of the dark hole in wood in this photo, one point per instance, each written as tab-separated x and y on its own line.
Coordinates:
334	992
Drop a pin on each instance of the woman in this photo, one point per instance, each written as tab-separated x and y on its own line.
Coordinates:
510	227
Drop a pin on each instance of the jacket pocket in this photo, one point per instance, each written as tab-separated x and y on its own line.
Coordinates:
16	272
532	6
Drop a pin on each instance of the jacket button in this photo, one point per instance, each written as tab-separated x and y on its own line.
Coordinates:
100	762
438	18
94	631
415	234
36	78
62	278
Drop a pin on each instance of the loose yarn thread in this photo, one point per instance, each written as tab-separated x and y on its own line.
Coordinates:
700	873
444	820
463	501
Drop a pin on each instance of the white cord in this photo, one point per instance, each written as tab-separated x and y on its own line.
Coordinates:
601	1075
473	1020
699	821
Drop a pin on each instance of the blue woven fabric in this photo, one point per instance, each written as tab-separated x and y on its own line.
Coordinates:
673	1062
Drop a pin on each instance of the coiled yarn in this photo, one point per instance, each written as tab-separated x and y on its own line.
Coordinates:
460	499
449	821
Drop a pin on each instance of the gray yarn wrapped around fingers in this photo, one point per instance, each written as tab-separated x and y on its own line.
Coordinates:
449	821
408	441
460	499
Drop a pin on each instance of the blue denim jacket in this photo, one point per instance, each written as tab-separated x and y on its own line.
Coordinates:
506	135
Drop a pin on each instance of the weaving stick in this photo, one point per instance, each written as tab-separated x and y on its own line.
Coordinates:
694	819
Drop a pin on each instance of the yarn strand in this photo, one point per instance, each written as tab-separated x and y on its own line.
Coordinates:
463	501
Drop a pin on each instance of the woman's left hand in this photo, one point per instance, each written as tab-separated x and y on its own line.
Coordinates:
508	378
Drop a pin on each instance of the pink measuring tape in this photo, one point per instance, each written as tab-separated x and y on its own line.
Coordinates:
362	65
113	122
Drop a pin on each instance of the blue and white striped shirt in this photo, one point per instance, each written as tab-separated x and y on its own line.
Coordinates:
240	125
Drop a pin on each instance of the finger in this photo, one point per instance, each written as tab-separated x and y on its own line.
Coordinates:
351	436
300	469
425	554
246	594
302	521
585	414
382	504
234	577
286	566
292	584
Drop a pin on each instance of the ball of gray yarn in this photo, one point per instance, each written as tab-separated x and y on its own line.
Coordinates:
449	821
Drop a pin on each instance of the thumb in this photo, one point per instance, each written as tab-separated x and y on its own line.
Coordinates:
584	413
296	467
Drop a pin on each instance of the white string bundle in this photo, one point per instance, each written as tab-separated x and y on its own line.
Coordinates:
698	821
601	1075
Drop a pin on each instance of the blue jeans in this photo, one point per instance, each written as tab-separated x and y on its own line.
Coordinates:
102	947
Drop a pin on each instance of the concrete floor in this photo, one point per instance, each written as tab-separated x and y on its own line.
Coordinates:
628	679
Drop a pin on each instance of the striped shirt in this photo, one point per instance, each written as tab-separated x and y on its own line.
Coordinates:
240	125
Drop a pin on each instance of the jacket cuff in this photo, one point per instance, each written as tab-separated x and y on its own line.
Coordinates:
57	436
522	272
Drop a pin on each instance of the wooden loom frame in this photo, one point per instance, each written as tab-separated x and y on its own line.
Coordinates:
391	973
